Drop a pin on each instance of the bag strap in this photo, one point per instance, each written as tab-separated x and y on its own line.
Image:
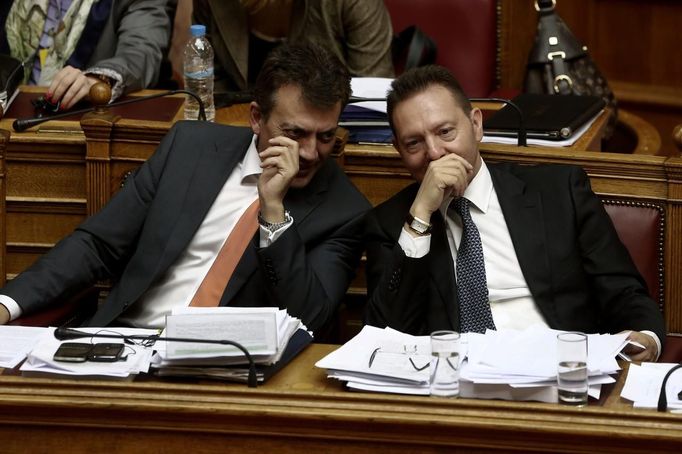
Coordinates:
412	48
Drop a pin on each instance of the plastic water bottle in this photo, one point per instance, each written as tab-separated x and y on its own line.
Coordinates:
198	73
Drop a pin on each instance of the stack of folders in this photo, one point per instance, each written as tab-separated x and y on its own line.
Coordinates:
505	364
271	336
366	121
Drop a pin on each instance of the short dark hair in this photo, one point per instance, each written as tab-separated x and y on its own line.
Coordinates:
417	80
322	77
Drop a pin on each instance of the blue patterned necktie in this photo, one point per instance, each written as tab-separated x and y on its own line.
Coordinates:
472	287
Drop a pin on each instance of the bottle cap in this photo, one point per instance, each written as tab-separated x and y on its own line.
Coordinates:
198	30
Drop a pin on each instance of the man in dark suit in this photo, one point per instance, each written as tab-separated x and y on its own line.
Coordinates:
160	234
547	251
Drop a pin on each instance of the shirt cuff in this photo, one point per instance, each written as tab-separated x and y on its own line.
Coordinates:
12	307
268	237
414	247
656	339
116	87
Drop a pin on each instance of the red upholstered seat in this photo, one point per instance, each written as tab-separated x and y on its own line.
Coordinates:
640	226
465	32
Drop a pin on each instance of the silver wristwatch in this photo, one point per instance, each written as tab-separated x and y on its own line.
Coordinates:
274	226
417	225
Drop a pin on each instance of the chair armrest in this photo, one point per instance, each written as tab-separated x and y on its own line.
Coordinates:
71	312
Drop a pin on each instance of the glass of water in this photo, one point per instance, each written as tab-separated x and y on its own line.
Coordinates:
444	366
572	368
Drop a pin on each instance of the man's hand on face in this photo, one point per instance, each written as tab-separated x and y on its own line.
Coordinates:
650	351
279	162
445	177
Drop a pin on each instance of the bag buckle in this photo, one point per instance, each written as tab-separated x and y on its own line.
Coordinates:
538	8
562	78
560	54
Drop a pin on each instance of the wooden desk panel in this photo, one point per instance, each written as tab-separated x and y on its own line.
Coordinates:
299	409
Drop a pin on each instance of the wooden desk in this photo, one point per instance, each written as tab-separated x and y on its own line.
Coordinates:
300	410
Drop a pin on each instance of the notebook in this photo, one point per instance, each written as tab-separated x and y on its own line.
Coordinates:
549	117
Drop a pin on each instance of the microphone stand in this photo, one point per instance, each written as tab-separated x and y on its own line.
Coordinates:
70	333
521	139
21	124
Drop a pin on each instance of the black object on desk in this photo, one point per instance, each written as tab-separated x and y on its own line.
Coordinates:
547	117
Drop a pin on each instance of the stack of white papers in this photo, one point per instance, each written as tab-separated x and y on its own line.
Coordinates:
137	357
643	385
263	331
507	364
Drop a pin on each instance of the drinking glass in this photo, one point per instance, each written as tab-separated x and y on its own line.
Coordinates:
572	368
445	363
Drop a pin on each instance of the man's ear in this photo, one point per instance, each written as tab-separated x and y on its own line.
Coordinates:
477	121
255	117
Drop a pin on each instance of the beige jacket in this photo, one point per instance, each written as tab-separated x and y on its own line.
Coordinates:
358	31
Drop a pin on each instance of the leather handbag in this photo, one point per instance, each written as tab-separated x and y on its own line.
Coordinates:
11	75
559	64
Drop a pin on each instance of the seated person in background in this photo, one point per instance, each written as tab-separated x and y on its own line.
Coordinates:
242	33
69	45
159	236
472	245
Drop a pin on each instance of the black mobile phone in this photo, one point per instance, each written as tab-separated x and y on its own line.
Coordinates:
73	352
106	352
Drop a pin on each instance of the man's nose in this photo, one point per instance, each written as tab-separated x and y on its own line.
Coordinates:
434	149
307	148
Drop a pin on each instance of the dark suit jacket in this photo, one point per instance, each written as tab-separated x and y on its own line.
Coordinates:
579	273
150	221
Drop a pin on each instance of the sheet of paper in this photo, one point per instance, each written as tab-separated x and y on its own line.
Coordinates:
371	87
137	357
355	355
643	385
17	341
256	331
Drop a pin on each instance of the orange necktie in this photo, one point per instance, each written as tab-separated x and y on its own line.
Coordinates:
213	286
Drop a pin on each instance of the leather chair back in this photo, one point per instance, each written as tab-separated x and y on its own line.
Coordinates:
465	32
641	227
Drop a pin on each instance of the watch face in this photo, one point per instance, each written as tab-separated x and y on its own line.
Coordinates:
418	226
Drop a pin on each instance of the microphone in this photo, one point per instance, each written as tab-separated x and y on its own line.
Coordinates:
21	124
63	333
521	139
228	98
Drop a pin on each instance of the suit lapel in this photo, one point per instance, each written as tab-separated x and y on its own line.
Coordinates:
523	213
212	169
442	270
